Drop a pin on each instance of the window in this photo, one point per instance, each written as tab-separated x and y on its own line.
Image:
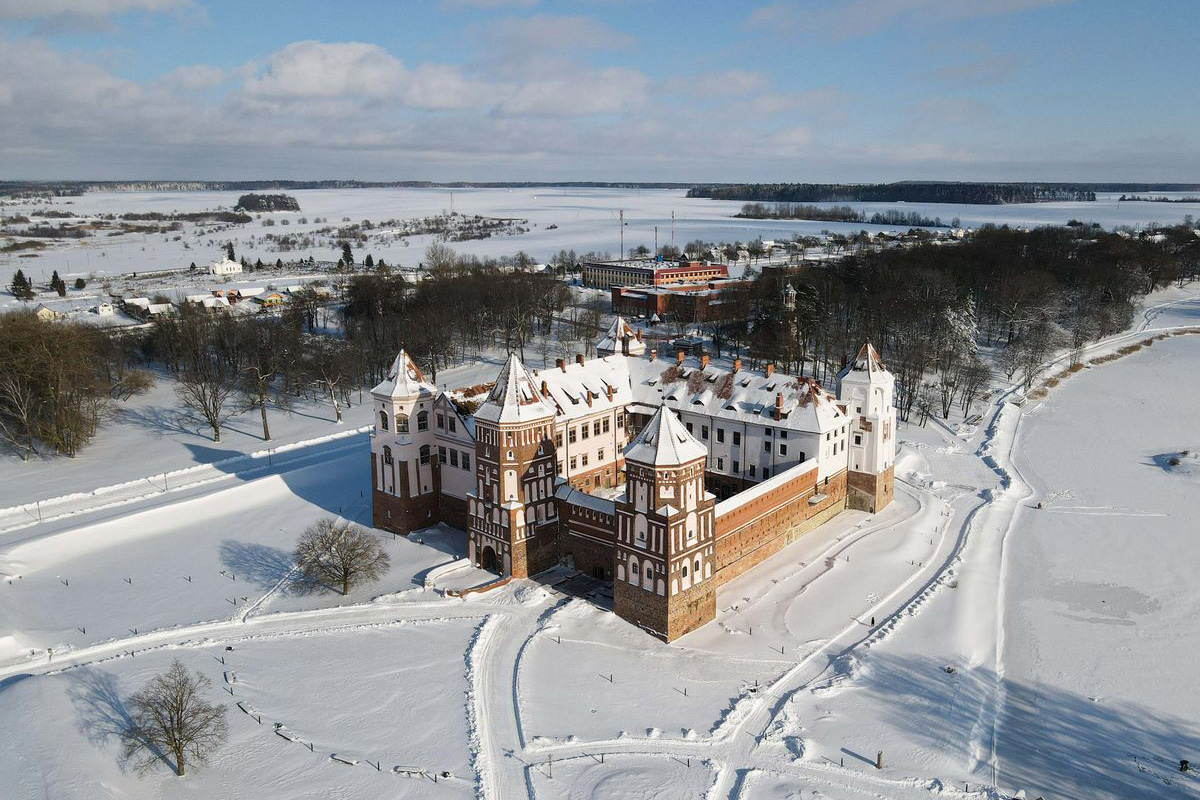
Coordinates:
574	462
802	456
510	455
767	432
858	409
466	460
649	573
441	455
827	437
620	420
585	459
402	423
423	420
558	440
766	473
600	455
737	467
387	455
703	431
737	438
685	570
454	458
605	425
424	453
783	449
753	469
596	427
689	427
858	438
441	421
383	422
720	463
783	434
450	422
633	568
697	569
570	436
583	431
766	447
721	435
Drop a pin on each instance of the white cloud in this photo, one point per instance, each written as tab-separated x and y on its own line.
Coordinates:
195	77
586	93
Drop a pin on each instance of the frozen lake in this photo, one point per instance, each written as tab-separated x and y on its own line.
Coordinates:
584	220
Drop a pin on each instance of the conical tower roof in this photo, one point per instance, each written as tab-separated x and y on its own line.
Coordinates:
617	332
404	379
514	398
665	442
867	361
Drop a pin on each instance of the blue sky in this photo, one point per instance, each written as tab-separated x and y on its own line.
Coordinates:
789	90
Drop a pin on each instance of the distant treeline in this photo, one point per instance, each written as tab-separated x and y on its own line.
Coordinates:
267	202
910	219
1132	198
35	189
907	192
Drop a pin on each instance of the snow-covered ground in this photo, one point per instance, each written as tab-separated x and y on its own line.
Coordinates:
982	644
583	220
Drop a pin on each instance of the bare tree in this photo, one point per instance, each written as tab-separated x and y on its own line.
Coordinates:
170	716
205	385
339	557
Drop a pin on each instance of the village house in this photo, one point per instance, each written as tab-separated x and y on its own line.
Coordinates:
665	476
225	266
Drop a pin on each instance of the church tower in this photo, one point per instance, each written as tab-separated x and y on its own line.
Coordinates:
404	479
865	391
664	553
512	510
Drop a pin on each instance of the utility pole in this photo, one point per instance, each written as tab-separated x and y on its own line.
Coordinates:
672	227
621	255
656	241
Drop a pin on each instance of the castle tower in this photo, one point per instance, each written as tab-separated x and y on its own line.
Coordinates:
664	553
865	389
512	511
404	480
621	338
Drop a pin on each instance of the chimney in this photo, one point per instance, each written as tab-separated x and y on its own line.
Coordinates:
778	406
587	396
653	354
609	392
704	361
737	365
625	344
638	334
770	370
545	389
579	358
679	357
558	362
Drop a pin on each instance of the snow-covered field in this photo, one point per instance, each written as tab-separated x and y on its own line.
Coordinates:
982	644
583	220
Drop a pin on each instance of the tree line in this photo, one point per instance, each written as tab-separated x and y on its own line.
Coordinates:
804	211
930	309
906	191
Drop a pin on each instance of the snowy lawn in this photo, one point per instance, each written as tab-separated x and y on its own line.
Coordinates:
626	777
210	557
645	697
398	699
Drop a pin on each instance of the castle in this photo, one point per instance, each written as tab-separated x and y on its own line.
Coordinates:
666	477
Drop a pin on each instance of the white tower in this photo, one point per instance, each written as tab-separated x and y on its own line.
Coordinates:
403	454
865	389
621	338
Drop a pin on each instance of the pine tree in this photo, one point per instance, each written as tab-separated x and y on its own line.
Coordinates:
279	263
347	255
21	287
229	251
80	284
58	285
368	262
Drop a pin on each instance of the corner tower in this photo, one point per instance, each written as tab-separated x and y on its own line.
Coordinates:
404	480
664	553
865	390
512	510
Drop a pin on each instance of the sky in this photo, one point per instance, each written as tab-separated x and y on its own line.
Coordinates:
608	90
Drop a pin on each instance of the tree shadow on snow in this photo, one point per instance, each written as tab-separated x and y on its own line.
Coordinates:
260	564
103	716
1051	741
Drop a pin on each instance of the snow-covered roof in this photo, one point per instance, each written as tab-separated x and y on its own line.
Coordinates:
514	398
664	442
405	380
577	390
215	302
141	302
584	500
617	333
250	291
746	395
